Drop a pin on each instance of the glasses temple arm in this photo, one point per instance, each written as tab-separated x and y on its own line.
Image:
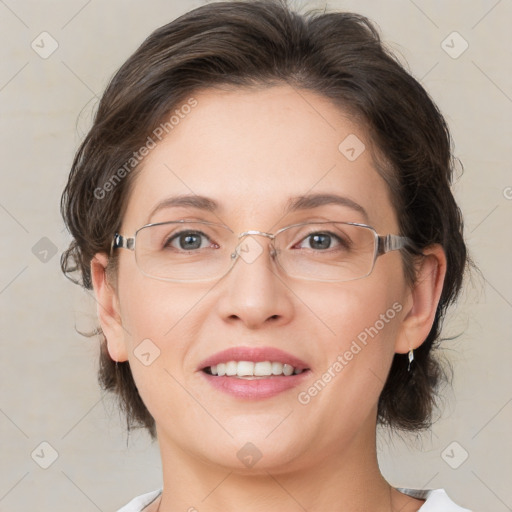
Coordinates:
389	243
119	241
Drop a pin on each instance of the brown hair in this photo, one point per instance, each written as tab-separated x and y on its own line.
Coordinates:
263	43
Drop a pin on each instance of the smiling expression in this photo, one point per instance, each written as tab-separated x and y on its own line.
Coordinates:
259	160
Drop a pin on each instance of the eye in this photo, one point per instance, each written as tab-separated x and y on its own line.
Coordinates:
188	241
323	241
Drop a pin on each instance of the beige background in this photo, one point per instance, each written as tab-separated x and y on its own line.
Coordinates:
49	391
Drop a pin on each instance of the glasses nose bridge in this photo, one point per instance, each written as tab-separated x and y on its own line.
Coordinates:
252	232
256	232
260	233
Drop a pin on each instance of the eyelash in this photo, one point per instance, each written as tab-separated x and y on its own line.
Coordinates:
176	236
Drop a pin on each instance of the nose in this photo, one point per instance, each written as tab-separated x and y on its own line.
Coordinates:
254	291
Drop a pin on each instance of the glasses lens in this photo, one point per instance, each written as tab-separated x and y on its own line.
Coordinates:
201	251
184	251
326	251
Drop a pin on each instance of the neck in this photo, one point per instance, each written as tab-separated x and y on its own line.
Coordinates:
345	478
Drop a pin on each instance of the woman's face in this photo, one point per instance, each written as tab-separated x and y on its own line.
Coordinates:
252	152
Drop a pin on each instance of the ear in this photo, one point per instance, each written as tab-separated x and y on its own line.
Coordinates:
421	304
108	308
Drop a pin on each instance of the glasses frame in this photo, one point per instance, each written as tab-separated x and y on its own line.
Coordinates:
383	244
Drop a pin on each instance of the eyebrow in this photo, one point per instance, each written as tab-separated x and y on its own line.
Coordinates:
304	202
187	200
310	201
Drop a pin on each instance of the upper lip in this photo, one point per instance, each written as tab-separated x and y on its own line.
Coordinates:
255	354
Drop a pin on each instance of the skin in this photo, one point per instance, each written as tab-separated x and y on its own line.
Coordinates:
247	149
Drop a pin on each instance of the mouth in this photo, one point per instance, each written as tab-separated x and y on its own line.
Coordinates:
253	373
252	361
254	387
251	370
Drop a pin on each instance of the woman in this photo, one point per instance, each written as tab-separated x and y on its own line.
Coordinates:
263	210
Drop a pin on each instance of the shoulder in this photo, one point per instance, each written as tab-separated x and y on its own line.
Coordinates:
436	500
138	503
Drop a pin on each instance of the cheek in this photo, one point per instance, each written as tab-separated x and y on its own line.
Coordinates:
154	309
363	319
360	321
161	324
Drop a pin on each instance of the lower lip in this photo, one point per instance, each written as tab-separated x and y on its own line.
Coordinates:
257	388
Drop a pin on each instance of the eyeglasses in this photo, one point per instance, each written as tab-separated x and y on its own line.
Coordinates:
188	251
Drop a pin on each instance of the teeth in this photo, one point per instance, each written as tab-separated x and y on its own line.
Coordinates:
221	369
250	370
245	368
261	368
287	369
277	368
231	368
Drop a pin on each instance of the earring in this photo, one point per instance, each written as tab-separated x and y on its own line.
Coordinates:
411	359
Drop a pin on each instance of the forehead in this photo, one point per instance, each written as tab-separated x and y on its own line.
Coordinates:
254	152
